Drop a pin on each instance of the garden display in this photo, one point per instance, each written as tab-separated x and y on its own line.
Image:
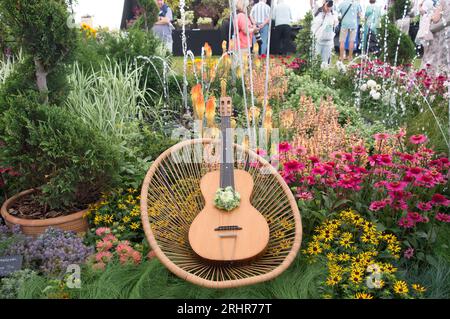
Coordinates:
126	172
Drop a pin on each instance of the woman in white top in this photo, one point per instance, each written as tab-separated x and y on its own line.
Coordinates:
323	27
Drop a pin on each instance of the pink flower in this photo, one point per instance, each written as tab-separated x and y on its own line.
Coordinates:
348	157
414	171
396	186
415	217
409	253
407	157
104	245
406	222
124	249
443	217
377	205
424	206
110	237
381	136
102	230
426	180
300	151
293	166
318	170
314	159
418	139
136	257
306	196
284	147
288	177
439	199
401	133
359	150
103	256
261	152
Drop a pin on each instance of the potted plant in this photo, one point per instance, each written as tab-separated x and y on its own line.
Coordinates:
205	23
63	164
189	20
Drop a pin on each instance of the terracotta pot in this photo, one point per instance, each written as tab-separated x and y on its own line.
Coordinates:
34	227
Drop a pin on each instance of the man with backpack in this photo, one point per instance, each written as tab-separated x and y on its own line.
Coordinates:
350	13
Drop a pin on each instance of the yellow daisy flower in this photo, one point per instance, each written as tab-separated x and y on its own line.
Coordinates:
333	280
400	287
363	295
314	248
134	226
419	288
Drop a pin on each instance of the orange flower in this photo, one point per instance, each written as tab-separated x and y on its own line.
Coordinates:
210	110
208	50
198	100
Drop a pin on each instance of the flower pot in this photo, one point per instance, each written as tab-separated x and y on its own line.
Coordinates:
208	26
34	227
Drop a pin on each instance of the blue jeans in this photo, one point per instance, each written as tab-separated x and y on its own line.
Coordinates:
264	37
324	50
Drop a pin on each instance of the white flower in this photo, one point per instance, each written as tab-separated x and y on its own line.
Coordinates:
378	87
375	95
363	87
371	84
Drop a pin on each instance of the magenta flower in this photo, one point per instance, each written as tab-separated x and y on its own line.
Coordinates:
359	150
439	199
293	166
418	139
396	186
306	196
406	222
377	205
284	147
425	207
314	159
318	170
443	217
381	136
414	171
409	253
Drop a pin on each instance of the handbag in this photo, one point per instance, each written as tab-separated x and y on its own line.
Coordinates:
338	27
436	27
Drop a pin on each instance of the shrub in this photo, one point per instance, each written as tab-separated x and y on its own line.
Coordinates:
406	49
304	39
54	150
42	31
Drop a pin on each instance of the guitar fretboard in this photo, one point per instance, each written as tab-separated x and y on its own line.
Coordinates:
227	162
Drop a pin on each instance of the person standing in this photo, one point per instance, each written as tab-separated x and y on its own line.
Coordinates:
245	28
440	47
260	17
350	12
163	26
283	19
323	27
372	23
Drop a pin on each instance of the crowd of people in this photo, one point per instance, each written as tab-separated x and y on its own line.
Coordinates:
340	18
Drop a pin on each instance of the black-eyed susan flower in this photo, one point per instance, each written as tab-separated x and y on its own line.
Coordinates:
314	248
400	287
333	280
363	295
419	288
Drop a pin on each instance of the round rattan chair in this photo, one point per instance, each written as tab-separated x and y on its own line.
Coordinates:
171	199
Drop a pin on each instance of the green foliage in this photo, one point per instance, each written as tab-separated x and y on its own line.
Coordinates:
397	9
406	48
10	285
55	150
304	40
41	29
149	15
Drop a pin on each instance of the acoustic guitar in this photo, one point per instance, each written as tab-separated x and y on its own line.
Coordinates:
238	235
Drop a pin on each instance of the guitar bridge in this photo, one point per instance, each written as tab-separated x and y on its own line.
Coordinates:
224	228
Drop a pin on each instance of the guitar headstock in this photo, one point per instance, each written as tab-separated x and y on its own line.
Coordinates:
225	106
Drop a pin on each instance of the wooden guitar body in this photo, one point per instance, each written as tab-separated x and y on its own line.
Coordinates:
221	236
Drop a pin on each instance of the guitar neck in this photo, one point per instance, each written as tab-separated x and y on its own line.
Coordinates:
227	160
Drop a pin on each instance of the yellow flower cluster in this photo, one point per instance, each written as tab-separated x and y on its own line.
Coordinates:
358	259
88	30
119	209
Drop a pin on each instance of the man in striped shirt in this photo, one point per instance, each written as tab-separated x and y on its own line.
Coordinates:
260	16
